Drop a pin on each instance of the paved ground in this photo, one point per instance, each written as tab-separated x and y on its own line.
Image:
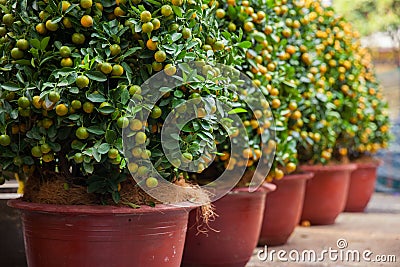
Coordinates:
378	230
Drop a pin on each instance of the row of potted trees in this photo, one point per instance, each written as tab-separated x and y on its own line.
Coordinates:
324	114
89	87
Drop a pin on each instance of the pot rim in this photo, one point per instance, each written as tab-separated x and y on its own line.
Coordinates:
298	176
375	163
92	210
264	188
327	168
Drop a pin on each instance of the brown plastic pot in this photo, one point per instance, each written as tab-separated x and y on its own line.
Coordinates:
237	228
362	185
326	193
88	236
283	210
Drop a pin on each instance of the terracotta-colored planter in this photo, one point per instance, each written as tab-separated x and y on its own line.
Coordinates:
326	193
362	185
240	215
284	209
88	236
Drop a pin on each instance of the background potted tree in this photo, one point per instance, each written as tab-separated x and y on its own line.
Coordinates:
271	63
71	76
286	33
267	63
371	136
229	234
326	194
338	53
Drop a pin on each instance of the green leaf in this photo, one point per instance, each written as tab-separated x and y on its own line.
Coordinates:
322	97
116	196
55	147
34	134
175	136
178	93
111	136
103	148
131	205
131	51
237	111
227	35
73	6
78	145
151	204
156	3
275	37
205	125
125	96
165	89
202	136
196	126
64	134
259	37
177	10
28	160
96	76
74	90
146	54
128	71
96	155
24	14
96	98
107	110
44	43
8	86
74	117
89	168
191	45
14	114
245	44
176	36
232	12
35	43
24	62
291	85
95	186
187	128
96	130
88	152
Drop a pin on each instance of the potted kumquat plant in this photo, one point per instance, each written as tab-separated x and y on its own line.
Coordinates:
79	124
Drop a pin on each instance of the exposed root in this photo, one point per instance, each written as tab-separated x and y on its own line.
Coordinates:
204	215
180	193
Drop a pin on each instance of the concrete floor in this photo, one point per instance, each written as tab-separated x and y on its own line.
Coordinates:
377	230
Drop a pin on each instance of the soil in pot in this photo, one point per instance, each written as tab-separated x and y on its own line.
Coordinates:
283	209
